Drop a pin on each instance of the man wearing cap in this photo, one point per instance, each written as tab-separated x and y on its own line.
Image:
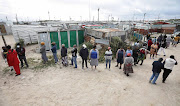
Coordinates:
13	60
108	57
21	54
54	51
84	55
43	52
74	56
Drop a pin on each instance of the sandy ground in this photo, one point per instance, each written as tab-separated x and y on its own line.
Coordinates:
68	86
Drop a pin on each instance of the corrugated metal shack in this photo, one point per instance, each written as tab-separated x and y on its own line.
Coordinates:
106	34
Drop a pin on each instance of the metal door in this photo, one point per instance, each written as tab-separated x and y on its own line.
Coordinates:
64	38
81	36
43	37
72	38
54	38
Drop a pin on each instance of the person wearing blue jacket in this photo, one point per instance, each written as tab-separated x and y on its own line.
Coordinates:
54	51
157	66
128	51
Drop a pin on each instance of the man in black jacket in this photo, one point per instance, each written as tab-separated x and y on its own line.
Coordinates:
84	55
64	55
157	66
21	54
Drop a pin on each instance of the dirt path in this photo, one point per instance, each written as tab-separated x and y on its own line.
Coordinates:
68	86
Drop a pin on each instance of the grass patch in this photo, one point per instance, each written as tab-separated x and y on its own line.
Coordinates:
5	70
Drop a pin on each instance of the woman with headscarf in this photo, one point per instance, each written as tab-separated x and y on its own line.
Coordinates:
141	55
153	50
43	52
120	55
128	63
94	56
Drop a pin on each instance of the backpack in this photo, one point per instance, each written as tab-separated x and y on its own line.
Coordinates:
94	54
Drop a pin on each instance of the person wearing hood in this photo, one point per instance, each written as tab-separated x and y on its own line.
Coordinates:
156	69
84	55
128	63
54	51
43	52
108	57
13	60
168	66
64	55
21	54
74	56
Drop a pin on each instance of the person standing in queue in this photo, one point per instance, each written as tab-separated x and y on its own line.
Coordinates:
64	55
94	56
13	60
108	57
128	63
43	52
84	55
54	51
120	55
74	56
21	54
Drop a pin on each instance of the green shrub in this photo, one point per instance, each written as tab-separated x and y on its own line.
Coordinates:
117	43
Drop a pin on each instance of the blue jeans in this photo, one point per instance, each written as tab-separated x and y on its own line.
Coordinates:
55	57
155	76
108	61
73	60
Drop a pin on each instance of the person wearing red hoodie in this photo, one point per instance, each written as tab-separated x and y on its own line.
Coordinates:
149	44
13	60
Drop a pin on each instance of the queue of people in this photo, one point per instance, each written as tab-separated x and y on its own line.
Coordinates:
130	57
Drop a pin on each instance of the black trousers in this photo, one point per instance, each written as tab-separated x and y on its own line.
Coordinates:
166	74
135	60
83	62
23	58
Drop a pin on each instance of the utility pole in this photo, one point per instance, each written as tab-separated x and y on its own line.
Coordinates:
3	38
98	14
17	19
89	12
144	17
6	18
49	15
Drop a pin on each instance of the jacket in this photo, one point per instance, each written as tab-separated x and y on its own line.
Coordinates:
150	42
20	51
108	55
54	49
169	63
74	52
12	58
157	66
63	52
84	53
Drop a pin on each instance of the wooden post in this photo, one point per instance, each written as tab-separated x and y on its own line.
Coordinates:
4	40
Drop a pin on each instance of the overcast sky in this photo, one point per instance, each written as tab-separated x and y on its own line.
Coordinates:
87	9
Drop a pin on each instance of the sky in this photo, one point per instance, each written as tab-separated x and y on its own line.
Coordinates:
87	10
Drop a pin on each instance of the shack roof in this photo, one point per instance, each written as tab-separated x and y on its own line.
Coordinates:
107	30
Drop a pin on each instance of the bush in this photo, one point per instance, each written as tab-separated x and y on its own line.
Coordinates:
117	43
